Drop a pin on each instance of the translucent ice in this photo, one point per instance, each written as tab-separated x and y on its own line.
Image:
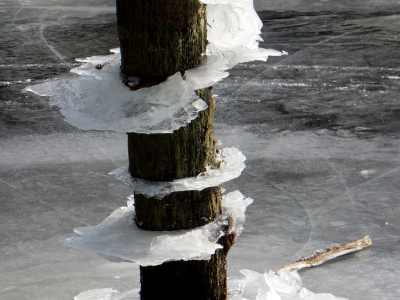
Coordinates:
232	165
119	239
270	286
98	99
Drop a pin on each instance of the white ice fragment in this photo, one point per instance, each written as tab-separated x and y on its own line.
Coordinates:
233	31
185	246
252	284
232	24
117	238
270	286
199	105
235	205
367	173
232	165
212	71
286	282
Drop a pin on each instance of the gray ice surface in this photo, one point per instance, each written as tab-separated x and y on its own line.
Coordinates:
319	128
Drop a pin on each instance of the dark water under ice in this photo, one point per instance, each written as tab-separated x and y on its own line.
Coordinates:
320	129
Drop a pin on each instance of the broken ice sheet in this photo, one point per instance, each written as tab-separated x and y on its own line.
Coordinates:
119	239
97	98
270	286
232	165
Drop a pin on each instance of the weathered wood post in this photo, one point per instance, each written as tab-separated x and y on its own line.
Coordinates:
159	38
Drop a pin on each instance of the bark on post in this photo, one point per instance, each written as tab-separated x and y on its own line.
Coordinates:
159	38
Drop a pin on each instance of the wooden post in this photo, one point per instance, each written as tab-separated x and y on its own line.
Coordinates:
159	38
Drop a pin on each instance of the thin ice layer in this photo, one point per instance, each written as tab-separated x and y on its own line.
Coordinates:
232	165
270	286
119	239
97	98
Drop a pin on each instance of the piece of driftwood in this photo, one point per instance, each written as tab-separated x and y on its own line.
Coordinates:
321	256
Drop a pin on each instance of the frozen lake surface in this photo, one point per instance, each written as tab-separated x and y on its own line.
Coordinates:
319	127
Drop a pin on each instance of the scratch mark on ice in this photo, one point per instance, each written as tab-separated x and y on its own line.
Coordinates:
105	153
360	185
337	36
108	157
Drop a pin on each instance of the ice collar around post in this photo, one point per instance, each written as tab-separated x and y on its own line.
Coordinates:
233	33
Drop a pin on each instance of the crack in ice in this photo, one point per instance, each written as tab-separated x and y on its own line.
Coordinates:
341	180
298	201
13	22
51	48
359	185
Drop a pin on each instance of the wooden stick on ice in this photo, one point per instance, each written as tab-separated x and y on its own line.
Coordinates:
321	256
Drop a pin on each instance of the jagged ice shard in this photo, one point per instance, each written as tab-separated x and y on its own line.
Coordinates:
119	239
270	286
